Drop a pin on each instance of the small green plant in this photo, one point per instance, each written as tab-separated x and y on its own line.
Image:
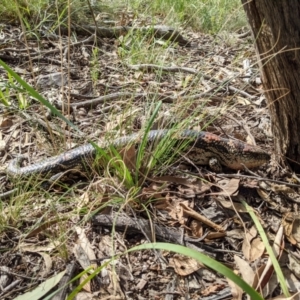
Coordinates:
138	47
5	92
95	67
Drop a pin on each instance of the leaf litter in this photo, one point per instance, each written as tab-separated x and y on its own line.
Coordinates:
184	204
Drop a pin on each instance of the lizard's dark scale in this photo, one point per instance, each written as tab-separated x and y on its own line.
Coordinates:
202	147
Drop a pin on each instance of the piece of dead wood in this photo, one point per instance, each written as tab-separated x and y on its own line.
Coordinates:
120	95
137	225
63	284
10	287
122	222
158	31
140	96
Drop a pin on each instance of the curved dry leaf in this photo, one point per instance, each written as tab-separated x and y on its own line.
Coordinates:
246	247
245	270
196	228
5	277
84	296
85	244
288	223
43	288
229	187
239	207
257	249
38	248
48	264
296	231
236	234
128	155
7	122
184	265
270	286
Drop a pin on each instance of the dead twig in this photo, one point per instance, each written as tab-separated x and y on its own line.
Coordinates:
152	67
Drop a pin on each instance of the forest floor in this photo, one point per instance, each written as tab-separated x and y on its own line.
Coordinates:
109	87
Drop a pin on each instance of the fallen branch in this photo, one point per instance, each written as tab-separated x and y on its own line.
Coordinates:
160	32
90	103
152	67
123	222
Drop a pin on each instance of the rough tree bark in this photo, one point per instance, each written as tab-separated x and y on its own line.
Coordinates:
275	25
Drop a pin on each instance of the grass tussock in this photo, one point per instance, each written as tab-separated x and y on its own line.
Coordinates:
208	16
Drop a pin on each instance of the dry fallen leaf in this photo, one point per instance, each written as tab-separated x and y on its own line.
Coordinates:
257	249
48	264
245	270
212	289
6	122
184	265
85	246
229	187
291	227
246	247
39	248
235	206
128	155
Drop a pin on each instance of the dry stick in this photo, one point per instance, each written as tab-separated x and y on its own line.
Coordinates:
124	222
200	218
10	287
245	34
137	96
17	50
114	96
102	99
151	67
158	31
8	272
63	284
7	194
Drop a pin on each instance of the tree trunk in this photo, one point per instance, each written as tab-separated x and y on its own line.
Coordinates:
276	29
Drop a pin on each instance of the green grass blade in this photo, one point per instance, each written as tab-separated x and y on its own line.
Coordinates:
269	249
88	279
206	260
143	144
202	258
122	170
